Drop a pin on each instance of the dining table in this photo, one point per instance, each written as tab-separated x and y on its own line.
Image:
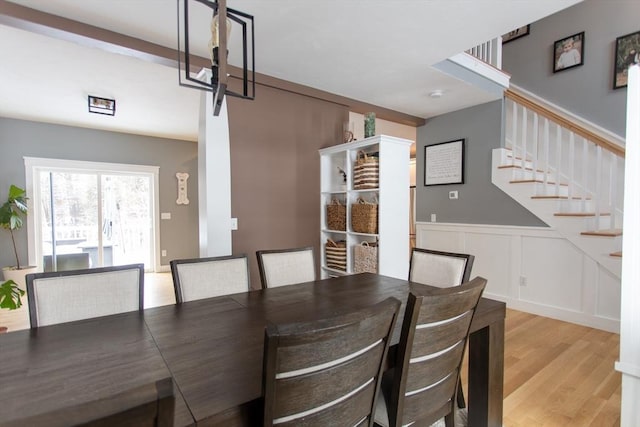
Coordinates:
213	350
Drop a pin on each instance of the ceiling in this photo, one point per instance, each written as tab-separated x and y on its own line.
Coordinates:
374	51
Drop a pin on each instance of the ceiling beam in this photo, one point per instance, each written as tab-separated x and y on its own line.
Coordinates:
21	17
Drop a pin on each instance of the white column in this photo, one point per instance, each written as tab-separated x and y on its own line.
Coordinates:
214	180
629	363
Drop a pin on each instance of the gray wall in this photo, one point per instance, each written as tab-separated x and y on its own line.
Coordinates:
586	90
18	138
479	202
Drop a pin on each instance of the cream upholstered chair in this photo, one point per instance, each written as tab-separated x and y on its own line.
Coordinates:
422	387
200	278
442	269
282	267
150	405
327	372
65	296
437	268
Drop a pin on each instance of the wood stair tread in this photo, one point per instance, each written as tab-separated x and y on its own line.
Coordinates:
580	214
560	197
520	167
614	232
616	254
523	181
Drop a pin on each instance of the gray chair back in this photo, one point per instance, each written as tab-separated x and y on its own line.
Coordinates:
66	296
327	372
200	278
423	386
281	267
438	268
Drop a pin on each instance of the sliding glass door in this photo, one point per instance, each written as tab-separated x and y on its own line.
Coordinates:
85	217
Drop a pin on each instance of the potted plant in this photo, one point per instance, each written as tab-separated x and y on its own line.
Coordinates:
10	298
11	218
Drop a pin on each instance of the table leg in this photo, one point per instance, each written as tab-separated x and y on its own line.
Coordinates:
486	375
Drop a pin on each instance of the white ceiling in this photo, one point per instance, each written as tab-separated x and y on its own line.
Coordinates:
379	52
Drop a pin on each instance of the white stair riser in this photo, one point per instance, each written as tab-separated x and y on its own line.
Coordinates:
597	247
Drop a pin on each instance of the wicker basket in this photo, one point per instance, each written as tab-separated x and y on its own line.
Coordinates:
364	217
336	215
365	257
336	254
365	172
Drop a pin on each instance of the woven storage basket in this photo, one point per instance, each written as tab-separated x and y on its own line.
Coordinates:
336	215
365	257
364	217
336	254
365	172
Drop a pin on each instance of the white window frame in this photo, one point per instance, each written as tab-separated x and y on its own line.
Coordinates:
34	165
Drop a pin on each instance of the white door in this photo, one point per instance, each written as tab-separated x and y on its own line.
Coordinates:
86	214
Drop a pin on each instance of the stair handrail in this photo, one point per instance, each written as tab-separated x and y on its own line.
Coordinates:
597	138
571	160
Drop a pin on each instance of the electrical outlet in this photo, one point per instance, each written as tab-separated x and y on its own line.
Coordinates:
523	281
453	195
433	217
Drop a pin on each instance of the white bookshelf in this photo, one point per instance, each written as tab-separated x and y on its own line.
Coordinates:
393	198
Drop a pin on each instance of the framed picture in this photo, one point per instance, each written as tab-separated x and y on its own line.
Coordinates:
515	34
627	54
444	163
568	52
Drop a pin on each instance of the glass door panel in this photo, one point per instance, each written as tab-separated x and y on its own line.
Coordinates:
69	219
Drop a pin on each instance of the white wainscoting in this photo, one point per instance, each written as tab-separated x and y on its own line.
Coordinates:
532	269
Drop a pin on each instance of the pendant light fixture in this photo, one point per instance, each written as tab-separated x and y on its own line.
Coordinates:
222	18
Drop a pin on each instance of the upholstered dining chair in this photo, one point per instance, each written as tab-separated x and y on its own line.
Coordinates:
280	267
65	296
151	404
438	268
442	269
327	372
422	387
210	277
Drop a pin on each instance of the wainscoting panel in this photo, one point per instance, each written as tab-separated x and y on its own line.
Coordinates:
533	269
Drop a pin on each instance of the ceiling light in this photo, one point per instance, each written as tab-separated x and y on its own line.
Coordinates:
102	105
218	48
436	94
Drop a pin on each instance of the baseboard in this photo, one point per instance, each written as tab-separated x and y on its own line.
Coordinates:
602	323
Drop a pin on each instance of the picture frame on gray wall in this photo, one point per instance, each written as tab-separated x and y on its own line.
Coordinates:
444	163
515	34
568	52
627	54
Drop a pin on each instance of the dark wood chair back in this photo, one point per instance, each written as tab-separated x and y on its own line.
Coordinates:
148	405
66	296
327	372
199	278
281	267
435	330
439	268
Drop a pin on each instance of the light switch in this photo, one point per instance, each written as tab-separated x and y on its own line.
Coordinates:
453	195
234	223
433	217
165	215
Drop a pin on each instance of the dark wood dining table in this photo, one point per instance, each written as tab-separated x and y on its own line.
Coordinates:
213	350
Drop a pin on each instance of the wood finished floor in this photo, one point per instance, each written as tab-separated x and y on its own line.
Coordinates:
556	373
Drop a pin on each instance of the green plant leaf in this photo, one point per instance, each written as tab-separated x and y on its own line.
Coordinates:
10	295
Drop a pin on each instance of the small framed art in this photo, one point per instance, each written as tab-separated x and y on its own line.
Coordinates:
515	34
627	54
444	163
568	52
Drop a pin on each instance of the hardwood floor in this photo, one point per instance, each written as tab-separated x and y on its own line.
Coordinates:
556	373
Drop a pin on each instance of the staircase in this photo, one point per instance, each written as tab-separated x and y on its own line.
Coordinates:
569	175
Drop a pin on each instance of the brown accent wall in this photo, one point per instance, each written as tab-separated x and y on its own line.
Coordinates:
275	169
